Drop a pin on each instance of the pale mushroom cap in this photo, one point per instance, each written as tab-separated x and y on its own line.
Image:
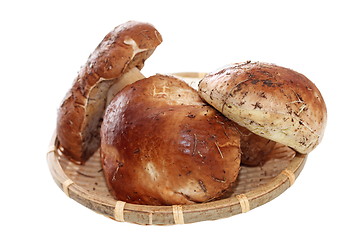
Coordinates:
274	102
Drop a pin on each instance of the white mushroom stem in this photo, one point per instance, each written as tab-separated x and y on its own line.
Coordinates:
127	78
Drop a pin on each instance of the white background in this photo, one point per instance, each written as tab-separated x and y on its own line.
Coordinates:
43	45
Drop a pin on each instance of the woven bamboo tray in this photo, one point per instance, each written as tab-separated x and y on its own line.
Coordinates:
254	187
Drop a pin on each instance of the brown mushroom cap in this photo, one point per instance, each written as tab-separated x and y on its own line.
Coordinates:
162	145
274	102
115	60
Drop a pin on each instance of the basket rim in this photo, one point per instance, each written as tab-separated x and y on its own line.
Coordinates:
189	74
176	214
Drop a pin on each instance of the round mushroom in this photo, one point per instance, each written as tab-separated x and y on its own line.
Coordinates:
274	102
162	145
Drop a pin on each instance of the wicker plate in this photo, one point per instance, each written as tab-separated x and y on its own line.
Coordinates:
254	187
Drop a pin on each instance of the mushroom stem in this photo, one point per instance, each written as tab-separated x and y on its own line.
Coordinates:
127	78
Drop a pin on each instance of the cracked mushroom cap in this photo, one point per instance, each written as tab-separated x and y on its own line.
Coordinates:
162	145
274	102
115	63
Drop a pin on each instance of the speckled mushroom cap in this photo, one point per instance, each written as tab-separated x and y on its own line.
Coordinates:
274	102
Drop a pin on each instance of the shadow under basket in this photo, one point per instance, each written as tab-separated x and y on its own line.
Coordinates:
254	187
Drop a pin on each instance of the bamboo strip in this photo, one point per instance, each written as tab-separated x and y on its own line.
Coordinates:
119	211
290	175
178	214
65	185
244	202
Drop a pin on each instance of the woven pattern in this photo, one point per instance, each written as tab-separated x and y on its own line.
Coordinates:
91	178
88	176
254	187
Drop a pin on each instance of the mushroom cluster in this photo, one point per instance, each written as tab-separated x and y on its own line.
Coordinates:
164	142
